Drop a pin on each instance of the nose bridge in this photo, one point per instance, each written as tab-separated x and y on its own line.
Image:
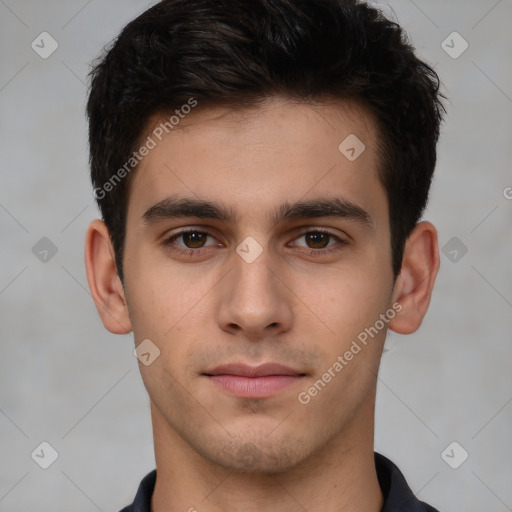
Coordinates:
252	281
253	298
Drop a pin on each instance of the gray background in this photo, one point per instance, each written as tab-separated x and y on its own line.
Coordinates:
67	381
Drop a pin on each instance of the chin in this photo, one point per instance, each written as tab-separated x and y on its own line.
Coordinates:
263	456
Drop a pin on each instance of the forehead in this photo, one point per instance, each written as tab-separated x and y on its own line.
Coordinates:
253	159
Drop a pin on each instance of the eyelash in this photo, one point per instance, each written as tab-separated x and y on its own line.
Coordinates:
168	242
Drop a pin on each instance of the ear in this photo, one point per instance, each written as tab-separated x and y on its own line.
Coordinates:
106	287
414	285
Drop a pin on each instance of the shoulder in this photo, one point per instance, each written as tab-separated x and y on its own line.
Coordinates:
142	501
398	496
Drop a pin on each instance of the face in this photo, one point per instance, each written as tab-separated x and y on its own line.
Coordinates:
253	241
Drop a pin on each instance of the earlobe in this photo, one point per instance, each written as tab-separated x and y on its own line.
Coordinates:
414	285
104	283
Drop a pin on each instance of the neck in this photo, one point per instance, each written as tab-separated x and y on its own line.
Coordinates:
340	476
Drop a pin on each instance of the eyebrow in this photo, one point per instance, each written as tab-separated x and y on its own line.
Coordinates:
178	207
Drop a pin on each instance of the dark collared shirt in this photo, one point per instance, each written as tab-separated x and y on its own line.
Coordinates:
398	497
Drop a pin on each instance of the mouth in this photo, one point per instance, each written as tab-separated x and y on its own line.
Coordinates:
246	381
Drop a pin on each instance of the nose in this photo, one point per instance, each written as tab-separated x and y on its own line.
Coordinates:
254	301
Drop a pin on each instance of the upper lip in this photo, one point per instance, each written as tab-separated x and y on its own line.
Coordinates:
244	370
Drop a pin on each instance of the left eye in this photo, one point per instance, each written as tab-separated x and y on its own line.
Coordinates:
317	239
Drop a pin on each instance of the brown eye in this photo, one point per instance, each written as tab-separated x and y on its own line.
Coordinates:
317	239
194	239
190	239
318	242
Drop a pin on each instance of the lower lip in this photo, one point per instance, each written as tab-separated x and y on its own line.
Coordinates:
254	387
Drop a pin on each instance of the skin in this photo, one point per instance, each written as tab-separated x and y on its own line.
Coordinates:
300	303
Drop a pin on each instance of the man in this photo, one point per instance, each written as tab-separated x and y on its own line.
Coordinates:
261	168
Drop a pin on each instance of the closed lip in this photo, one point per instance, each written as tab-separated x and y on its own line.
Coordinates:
244	370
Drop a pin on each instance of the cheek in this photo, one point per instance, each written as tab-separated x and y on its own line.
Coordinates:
351	306
350	297
172	309
162	296
351	348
